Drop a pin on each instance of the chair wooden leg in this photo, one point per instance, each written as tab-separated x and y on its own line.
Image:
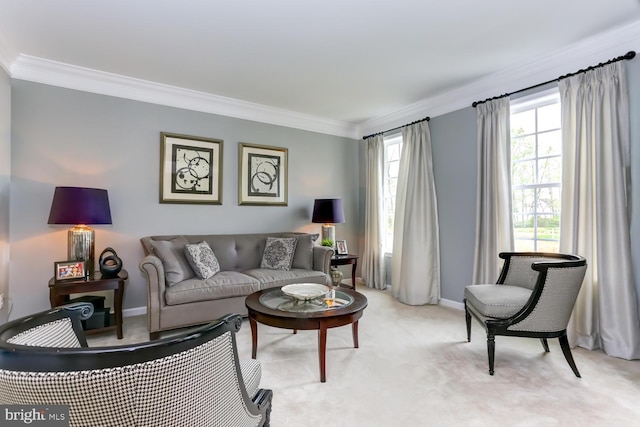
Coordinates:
491	349
545	344
566	350
467	317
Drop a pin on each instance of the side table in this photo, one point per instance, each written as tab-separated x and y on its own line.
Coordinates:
59	294
346	260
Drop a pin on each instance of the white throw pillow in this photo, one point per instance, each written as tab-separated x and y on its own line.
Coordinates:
278	253
202	259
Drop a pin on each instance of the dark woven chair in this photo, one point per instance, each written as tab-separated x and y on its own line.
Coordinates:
534	297
190	379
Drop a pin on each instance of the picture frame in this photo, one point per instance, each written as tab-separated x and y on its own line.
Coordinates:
190	169
262	175
66	271
341	247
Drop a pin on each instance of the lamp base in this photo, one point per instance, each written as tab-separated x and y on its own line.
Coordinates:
329	232
81	247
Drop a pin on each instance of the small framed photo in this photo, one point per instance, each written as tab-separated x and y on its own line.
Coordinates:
190	169
69	270
262	175
341	247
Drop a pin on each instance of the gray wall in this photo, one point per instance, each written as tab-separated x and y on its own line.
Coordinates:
453	139
5	176
66	137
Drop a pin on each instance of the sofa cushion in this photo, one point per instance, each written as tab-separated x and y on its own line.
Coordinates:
303	257
225	284
497	301
171	253
278	253
270	278
202	259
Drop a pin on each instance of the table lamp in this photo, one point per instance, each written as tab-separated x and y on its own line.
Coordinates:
80	207
328	212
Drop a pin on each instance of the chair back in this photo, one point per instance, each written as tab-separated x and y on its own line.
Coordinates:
190	379
554	295
517	270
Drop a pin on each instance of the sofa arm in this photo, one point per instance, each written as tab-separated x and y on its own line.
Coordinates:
153	270
322	258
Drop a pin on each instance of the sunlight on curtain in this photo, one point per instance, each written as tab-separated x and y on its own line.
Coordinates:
415	267
373	256
594	219
494	223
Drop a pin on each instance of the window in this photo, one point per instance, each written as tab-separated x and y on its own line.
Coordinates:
536	171
392	150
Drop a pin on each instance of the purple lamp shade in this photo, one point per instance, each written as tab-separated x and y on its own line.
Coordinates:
78	205
328	211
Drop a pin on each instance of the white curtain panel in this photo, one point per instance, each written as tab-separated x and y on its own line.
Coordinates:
415	269
594	219
373	256
494	223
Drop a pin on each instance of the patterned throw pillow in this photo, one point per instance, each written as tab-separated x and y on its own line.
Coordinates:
278	253
202	259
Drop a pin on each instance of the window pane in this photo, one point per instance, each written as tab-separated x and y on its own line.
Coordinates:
548	227
547	246
393	152
550	143
523	202
523	173
523	147
523	226
523	123
548	200
549	117
525	246
549	170
393	169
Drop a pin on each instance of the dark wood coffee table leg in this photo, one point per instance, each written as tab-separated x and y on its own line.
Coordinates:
254	336
354	332
322	351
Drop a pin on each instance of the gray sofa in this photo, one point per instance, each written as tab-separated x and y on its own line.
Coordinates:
177	298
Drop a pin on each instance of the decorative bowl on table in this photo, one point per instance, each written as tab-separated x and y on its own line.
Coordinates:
305	291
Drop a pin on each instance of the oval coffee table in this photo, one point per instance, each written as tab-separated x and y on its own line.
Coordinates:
273	308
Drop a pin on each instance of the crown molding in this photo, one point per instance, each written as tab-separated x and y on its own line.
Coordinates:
588	52
592	50
55	73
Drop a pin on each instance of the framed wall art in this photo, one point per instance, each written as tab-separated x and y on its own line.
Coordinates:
262	175
68	270
190	169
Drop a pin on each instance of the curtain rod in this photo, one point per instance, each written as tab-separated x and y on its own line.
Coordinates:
396	128
629	55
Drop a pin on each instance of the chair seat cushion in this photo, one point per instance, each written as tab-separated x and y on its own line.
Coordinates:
270	278
226	284
497	301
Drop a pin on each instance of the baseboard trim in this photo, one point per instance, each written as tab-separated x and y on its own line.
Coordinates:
135	311
453	304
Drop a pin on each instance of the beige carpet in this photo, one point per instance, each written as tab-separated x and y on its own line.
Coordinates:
415	368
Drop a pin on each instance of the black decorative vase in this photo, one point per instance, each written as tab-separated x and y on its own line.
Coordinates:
110	265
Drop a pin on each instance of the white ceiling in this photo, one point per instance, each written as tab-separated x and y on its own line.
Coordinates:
355	64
